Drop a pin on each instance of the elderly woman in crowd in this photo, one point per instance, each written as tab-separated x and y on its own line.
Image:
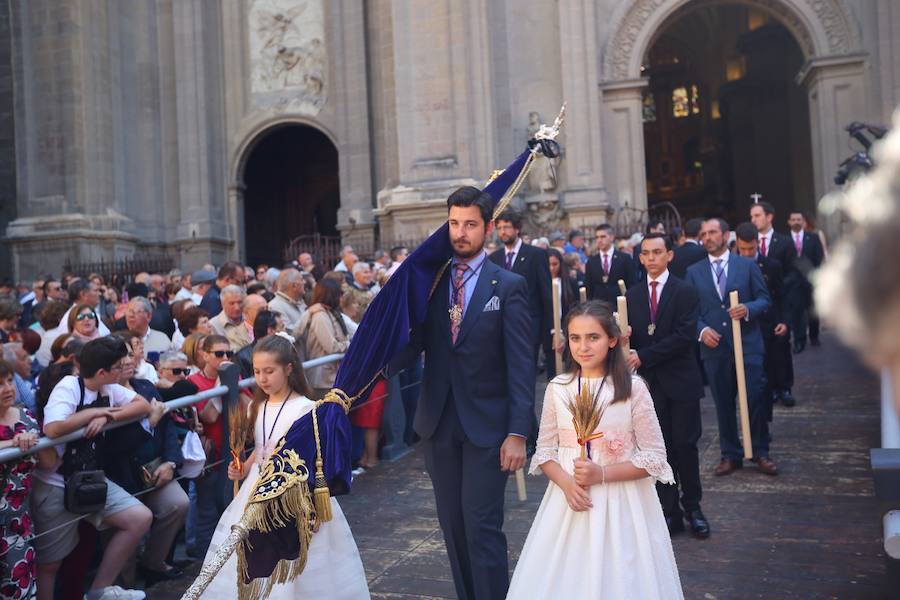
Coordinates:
18	429
83	322
323	329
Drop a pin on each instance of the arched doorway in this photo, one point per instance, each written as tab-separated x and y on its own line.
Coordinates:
291	189
723	116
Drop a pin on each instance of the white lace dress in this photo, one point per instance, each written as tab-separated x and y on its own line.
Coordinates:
334	570
620	548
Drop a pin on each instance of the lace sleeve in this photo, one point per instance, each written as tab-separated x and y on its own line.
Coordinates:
548	435
650	453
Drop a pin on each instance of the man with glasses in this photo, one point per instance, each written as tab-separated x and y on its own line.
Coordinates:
137	319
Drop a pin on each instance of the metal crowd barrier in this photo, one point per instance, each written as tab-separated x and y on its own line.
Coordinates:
885	463
229	375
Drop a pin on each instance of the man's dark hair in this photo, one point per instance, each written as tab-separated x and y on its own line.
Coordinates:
230	269
767	208
47	283
692	228
137	289
265	320
511	216
76	288
471	196
746	232
575	233
396	250
101	353
797	211
723	224
651	225
604	227
660	236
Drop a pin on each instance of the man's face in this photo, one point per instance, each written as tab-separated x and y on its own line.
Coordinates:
467	230
604	240
655	257
158	284
179	373
137	318
747	249
297	289
55	291
232	306
658	228
796	222
38	289
23	363
186	281
175	280
713	237
90	296
255	303
760	219
508	234
305	260
578	241
401	255
111	376
363	276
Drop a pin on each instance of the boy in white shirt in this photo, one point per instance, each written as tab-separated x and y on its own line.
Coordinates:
68	409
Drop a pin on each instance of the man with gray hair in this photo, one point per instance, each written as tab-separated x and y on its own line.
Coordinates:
137	319
230	322
288	298
173	367
14	353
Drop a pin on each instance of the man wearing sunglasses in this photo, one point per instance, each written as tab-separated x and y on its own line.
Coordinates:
173	367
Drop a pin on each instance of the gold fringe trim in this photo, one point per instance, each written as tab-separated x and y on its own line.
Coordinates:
265	517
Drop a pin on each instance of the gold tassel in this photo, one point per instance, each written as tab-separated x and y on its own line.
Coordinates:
321	493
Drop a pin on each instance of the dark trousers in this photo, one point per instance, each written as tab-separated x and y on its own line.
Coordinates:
800	299
679	419
210	506
779	362
722	378
469	489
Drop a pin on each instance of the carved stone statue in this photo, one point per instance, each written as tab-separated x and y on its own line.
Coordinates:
542	177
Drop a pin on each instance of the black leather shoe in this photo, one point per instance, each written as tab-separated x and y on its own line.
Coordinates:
787	398
698	524
799	347
675	525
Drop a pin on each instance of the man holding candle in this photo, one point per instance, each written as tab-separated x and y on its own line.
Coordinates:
714	279
663	317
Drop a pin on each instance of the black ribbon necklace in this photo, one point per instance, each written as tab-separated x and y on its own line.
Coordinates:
271	431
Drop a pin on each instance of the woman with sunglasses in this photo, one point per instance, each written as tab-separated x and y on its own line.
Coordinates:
215	350
84	323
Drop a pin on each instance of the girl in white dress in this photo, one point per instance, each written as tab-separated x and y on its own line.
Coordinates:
333	569
600	531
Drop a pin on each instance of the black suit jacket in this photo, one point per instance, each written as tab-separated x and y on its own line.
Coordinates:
489	372
779	311
667	357
781	248
532	264
685	256
812	256
620	267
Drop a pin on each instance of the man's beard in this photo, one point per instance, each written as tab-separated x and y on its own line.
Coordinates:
468	253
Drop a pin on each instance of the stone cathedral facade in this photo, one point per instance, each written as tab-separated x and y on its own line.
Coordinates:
215	129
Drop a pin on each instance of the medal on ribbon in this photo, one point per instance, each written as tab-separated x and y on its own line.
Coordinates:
651	328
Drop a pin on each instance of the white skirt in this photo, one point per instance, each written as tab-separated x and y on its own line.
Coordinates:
620	548
333	570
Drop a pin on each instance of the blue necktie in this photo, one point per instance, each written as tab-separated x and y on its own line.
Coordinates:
720	277
509	260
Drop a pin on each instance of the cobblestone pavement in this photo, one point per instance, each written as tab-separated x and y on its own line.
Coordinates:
811	532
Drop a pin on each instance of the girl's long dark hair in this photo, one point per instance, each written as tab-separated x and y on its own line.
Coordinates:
565	280
616	367
285	354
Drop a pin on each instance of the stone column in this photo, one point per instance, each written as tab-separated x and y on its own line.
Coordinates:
65	85
202	233
444	113
624	142
585	199
836	89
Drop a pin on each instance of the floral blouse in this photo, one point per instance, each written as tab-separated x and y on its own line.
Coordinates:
16	476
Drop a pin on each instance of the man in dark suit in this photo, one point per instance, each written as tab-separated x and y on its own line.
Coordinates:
653	226
690	252
230	273
663	315
808	256
477	402
776	246
779	364
714	279
607	267
531	263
